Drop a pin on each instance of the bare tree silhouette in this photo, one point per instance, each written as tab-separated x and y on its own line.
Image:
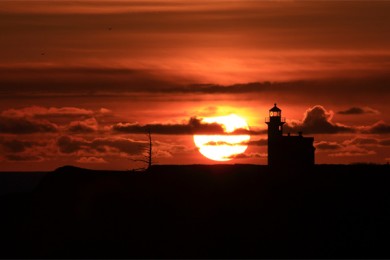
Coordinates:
148	157
149	149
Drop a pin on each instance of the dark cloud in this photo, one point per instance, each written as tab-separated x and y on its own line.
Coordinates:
248	155
17	146
80	128
317	120
362	141
231	89
39	119
28	158
33	150
44	112
367	141
352	151
385	142
358	146
253	131
352	111
83	127
323	145
106	82
68	145
260	142
358	111
23	125
380	127
83	81
193	126
127	146
218	143
91	159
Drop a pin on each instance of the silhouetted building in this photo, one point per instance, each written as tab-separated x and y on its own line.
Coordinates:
287	150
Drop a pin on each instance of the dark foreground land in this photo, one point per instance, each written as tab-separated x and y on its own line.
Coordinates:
239	211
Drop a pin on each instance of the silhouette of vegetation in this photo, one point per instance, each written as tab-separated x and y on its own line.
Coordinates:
148	158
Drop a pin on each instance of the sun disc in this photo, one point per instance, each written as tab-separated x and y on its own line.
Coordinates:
223	147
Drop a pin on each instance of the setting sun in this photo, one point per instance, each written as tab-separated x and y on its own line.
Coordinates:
223	147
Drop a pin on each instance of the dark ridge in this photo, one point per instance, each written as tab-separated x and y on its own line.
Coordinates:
71	168
202	211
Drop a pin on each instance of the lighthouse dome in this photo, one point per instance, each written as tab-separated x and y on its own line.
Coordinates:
275	108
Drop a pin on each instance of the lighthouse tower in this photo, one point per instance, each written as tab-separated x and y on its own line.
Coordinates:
275	123
287	150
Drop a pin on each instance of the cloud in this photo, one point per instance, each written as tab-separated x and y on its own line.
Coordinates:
82	82
127	146
358	146
352	150
28	158
23	125
252	131
59	115
38	119
260	142
380	127
105	111
17	146
27	149
385	142
91	160
218	143
193	126
69	145
317	120
248	155
207	111
89	125
169	149
367	141
358	111
361	141
103	81
324	145
43	112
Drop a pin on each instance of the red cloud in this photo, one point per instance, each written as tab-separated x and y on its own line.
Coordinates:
318	120
91	159
194	125
22	125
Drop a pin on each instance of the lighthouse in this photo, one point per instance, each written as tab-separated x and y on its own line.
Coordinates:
275	123
290	150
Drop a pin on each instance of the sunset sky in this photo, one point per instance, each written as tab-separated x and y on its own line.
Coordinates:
80	81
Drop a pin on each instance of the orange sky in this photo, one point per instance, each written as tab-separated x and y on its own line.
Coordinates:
99	63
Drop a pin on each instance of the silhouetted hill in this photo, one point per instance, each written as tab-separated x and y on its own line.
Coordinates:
200	211
71	169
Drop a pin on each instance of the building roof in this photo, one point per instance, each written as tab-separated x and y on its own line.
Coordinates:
275	109
297	138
